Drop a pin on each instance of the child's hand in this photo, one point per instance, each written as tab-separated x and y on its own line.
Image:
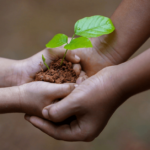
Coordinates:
34	96
24	70
92	102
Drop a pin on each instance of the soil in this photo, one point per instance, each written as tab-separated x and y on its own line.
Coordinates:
58	73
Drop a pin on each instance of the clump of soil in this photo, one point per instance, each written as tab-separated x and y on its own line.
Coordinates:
58	73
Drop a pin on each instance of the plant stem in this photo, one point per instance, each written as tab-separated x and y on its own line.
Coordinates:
64	56
46	66
72	37
66	51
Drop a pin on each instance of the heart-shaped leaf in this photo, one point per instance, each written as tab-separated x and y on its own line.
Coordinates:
57	40
81	42
93	26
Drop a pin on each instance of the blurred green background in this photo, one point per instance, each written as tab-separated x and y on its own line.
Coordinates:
25	27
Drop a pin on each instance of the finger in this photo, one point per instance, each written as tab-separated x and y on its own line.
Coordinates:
59	52
77	69
64	132
60	90
82	73
61	110
81	79
70	56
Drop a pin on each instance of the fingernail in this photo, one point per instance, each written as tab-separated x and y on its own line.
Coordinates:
75	85
27	117
45	113
77	57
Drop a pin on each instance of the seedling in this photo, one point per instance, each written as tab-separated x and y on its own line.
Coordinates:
87	27
43	58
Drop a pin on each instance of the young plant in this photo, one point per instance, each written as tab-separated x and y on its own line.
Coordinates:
43	58
87	27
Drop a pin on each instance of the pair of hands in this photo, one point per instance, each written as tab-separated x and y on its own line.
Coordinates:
92	102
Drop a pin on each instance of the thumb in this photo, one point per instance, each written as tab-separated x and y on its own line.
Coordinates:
61	110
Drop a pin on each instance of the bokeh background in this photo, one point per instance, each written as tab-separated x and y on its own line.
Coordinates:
25	27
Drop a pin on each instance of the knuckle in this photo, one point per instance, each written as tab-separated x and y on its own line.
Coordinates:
53	114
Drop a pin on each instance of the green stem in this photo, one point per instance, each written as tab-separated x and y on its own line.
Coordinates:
72	37
64	56
46	65
66	51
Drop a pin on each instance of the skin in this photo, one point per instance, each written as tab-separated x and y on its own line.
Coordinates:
32	97
18	72
95	100
132	30
26	97
108	50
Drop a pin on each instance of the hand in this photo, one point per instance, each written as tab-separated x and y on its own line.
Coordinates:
23	71
96	58
92	103
34	96
92	60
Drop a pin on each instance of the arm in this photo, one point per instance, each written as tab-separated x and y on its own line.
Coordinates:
135	74
94	101
8	72
31	98
9	100
132	23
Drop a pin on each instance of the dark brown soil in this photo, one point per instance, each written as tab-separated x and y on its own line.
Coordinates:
58	73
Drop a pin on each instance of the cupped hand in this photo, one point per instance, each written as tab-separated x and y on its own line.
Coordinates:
26	69
92	103
96	58
91	60
34	96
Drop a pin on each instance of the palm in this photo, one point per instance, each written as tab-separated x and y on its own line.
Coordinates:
30	66
27	68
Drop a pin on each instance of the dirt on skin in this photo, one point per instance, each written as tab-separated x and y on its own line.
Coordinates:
58	73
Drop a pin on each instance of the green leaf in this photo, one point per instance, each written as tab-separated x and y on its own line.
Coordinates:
43	58
57	40
93	26
81	42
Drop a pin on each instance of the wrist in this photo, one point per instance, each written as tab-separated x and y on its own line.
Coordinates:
122	80
10	102
114	86
107	45
10	72
18	75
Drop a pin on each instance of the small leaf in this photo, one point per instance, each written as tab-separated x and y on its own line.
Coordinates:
57	40
43	58
93	26
81	42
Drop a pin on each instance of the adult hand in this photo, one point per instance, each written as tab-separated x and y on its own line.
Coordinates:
92	103
96	58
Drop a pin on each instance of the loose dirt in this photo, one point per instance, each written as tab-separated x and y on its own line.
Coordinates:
58	73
